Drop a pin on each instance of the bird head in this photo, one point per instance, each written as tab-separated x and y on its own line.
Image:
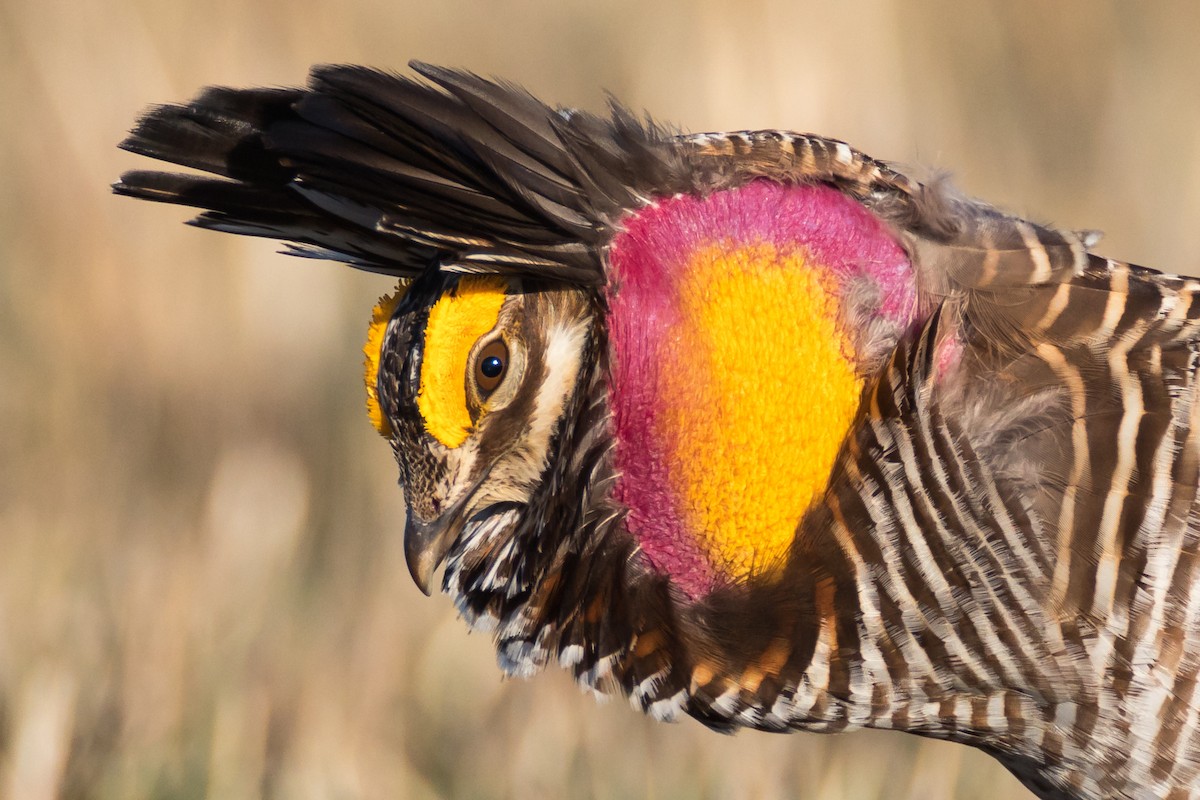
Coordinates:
471	377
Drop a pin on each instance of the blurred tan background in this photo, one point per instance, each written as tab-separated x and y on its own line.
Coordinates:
202	587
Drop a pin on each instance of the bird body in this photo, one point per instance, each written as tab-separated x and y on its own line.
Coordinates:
752	427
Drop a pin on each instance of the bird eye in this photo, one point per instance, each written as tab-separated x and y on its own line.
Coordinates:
490	366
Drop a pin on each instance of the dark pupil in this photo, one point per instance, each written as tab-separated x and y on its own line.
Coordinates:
491	366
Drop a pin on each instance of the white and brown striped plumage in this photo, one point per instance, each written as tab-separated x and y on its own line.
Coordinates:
1004	552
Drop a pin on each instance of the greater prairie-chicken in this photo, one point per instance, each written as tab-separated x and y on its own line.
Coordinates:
750	426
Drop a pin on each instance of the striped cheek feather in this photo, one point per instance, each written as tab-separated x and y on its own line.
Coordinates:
734	378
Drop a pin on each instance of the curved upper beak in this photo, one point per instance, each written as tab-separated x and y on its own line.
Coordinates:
425	548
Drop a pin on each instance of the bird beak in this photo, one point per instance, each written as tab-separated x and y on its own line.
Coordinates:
425	548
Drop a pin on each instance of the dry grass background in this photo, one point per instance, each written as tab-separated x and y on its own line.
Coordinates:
202	589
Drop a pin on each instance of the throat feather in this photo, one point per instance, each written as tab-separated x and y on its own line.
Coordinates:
734	378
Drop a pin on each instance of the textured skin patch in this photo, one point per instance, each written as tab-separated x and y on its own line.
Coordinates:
757	397
733	378
380	316
456	321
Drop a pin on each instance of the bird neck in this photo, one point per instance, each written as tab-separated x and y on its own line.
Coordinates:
913	599
950	584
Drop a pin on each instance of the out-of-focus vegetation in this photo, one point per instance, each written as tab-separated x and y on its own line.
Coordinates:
202	587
